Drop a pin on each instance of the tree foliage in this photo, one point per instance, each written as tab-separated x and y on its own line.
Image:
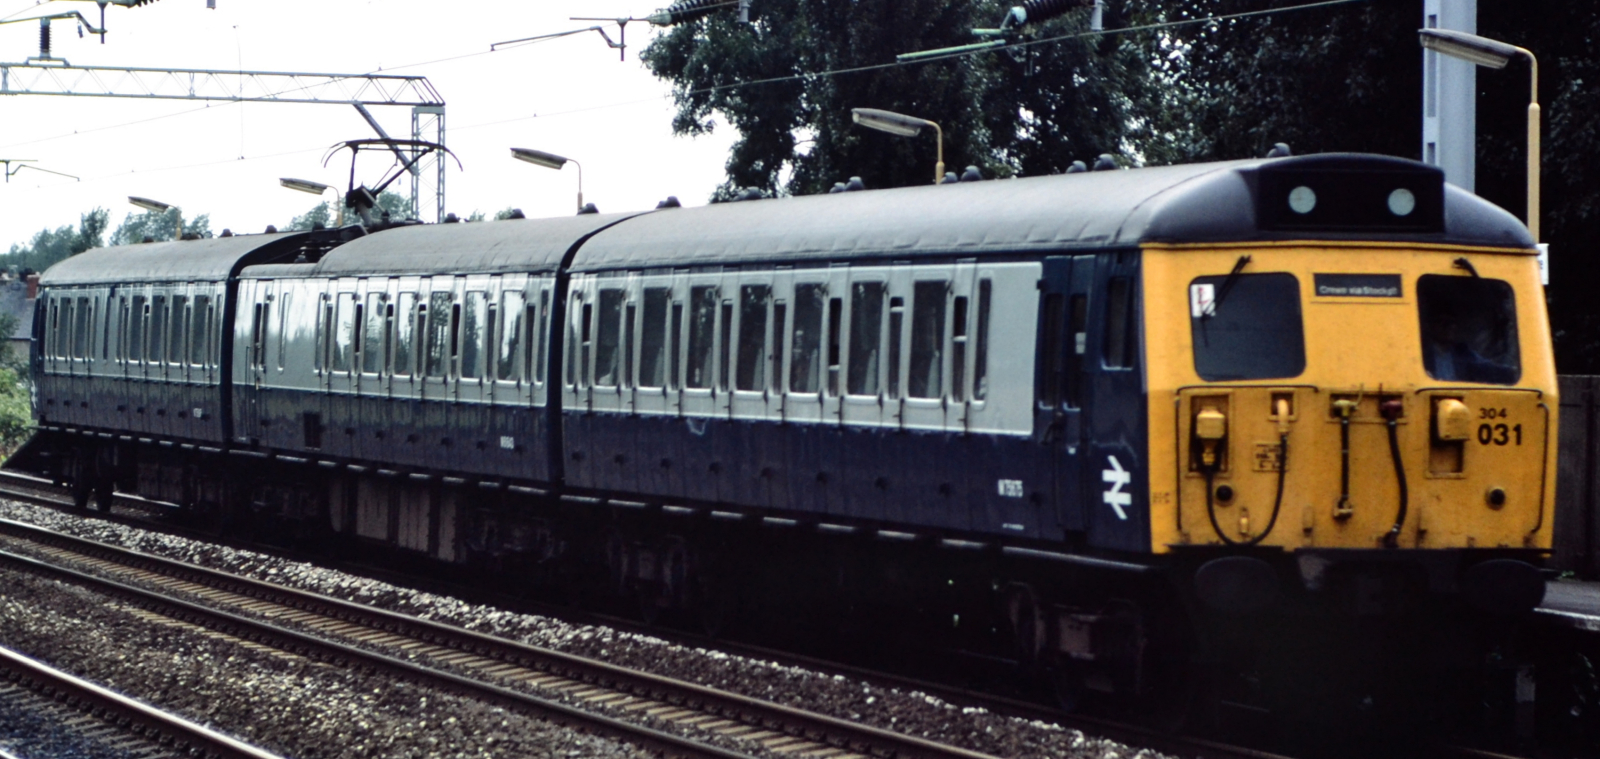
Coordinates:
1031	111
51	245
159	226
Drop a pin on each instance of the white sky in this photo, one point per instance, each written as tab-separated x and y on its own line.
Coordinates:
569	96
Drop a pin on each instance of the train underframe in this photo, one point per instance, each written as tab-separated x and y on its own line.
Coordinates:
1330	639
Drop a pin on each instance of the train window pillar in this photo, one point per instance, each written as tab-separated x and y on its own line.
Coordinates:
866	337
754	301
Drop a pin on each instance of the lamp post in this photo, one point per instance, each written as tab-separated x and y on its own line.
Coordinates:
903	126
550	161
1495	54
156	206
314	188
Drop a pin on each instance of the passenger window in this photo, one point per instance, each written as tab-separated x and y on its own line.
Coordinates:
199	331
82	317
725	340
346	323
1469	329
586	344
1119	324
158	328
780	314
925	378
511	328
405	323
653	345
135	328
475	327
702	336
437	335
897	319
179	328
539	341
675	350
835	327
258	338
805	353
980	367
630	315
608	345
1078	333
958	350
752	360
1052	351
375	318
572	338
285	299
866	337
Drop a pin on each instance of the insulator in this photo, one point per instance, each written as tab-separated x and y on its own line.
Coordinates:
1035	11
44	38
688	10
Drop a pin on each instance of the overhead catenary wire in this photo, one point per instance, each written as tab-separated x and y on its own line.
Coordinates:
736	85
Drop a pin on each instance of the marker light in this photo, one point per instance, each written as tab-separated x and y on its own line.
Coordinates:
1302	199
1402	202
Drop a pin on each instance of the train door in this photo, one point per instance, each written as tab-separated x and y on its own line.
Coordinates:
703	301
1060	388
927	348
862	343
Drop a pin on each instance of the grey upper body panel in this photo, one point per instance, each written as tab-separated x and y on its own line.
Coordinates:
210	260
1210	202
512	245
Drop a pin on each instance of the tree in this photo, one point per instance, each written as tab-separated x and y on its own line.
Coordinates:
1032	110
321	214
49	246
158	226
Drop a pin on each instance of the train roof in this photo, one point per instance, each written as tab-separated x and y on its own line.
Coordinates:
531	245
1194	203
209	260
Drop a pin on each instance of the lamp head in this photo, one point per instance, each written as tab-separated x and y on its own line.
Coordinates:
304	185
888	121
539	158
1468	47
147	204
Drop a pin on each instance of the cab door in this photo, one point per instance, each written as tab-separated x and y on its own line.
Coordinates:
1060	385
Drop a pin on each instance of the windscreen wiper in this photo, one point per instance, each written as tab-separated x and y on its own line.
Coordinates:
1229	282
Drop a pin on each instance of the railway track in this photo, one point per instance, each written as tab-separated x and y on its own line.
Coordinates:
108	721
667	715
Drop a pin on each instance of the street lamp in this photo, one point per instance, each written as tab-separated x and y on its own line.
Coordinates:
156	206
1496	54
550	161
901	125
314	188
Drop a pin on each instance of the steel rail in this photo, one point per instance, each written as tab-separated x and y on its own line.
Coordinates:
152	725
445	641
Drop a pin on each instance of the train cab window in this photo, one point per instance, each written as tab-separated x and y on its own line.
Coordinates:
510	339
375	318
805	353
866	337
926	376
475	328
752	348
980	366
1120	330
702	336
608	342
178	329
1469	329
158	328
653	338
405	322
136	323
437	335
200	331
1247	326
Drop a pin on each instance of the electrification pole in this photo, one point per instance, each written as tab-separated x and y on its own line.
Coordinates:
1450	96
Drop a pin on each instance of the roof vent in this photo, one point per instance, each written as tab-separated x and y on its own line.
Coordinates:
587	209
750	193
516	213
972	175
226	233
949	178
449	218
1105	162
670	202
854	184
1280	150
1077	167
271	229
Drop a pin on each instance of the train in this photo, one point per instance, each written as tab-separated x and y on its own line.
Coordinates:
1139	432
